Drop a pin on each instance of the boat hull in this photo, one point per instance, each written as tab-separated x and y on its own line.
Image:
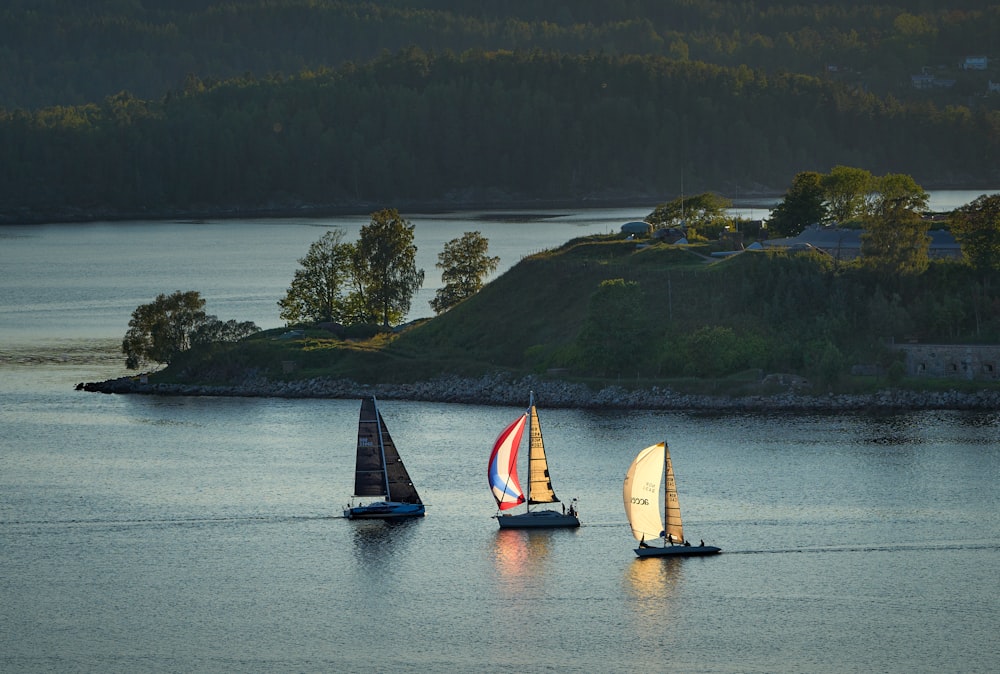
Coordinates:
678	551
384	510
538	519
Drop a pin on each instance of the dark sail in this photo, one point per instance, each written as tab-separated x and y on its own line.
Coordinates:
379	471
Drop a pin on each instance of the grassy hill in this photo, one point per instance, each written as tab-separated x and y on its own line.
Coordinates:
665	314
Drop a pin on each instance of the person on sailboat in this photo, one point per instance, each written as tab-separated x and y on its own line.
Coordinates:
642	543
702	543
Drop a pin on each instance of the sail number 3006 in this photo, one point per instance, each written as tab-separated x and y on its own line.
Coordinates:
639	501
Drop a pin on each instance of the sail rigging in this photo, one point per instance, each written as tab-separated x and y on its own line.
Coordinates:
379	470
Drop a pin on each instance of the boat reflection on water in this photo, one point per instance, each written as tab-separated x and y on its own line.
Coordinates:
376	541
650	587
523	566
521	558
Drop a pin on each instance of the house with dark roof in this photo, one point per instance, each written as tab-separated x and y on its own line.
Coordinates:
845	244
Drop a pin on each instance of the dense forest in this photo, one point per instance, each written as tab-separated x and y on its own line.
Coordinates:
487	127
187	107
59	52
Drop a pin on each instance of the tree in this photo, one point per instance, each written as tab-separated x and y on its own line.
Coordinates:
464	263
895	240
174	323
846	189
384	269
976	227
163	328
802	206
213	331
701	215
319	287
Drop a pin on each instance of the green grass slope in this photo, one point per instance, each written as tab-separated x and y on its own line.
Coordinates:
689	317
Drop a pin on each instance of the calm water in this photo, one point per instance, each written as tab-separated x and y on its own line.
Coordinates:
185	534
84	280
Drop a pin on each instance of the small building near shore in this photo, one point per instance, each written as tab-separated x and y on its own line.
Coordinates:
637	228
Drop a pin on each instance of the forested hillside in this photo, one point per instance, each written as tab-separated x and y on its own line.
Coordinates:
485	127
174	107
71	52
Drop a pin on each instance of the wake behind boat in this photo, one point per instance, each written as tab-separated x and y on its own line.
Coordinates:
642	506
379	471
506	488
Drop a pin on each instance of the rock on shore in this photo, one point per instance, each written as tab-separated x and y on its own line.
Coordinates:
502	389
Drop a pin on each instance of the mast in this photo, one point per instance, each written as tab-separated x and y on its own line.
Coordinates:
532	429
381	449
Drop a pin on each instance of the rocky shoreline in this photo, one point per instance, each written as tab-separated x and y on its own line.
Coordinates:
502	389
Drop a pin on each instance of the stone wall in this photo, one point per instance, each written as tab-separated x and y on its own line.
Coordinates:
977	362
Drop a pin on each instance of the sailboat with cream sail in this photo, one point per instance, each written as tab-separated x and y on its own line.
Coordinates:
506	489
379	471
642	506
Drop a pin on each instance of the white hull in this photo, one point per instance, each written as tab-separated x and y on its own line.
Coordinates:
538	519
678	551
384	510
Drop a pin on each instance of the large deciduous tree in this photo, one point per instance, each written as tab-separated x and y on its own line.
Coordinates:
802	206
173	323
895	240
976	227
161	329
319	288
384	268
847	190
464	262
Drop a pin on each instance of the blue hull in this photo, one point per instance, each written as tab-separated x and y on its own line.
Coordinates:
384	510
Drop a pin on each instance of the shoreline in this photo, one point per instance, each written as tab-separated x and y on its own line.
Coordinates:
504	390
72	214
81	215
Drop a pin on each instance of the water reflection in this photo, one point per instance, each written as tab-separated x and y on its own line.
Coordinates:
376	542
521	558
651	584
